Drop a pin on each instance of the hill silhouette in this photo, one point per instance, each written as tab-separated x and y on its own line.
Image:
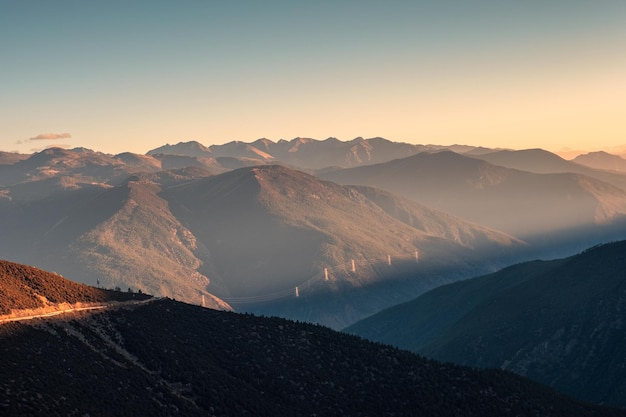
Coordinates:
559	322
167	358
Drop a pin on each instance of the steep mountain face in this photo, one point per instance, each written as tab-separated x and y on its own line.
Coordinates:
259	237
143	240
121	236
271	229
559	322
166	358
524	204
602	160
192	148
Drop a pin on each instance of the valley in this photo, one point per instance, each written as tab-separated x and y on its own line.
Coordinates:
382	239
163	357
249	223
312	209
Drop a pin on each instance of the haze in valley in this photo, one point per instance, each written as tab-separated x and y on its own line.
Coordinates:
199	200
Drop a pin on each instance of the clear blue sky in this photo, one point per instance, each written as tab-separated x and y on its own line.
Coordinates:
128	75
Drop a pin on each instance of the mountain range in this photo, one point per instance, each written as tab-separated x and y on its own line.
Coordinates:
269	229
326	232
559	322
526	204
247	226
304	153
247	234
166	358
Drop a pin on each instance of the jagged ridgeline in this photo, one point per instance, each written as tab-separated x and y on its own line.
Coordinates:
225	226
167	358
256	237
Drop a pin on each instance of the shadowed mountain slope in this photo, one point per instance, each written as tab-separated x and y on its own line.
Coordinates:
559	322
524	204
144	244
255	232
166	358
169	162
602	160
538	161
9	158
543	162
122	236
269	229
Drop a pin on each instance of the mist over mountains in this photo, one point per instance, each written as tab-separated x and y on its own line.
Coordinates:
382	234
254	227
525	204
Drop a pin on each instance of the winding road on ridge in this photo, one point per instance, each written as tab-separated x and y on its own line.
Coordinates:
109	305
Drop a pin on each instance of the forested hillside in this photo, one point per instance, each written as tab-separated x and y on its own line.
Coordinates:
559	322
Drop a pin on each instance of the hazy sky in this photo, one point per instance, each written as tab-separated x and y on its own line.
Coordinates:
127	75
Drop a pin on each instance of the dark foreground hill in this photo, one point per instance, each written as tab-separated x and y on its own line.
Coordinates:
171	359
559	322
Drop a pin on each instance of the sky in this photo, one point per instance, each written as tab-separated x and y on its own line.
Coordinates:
117	76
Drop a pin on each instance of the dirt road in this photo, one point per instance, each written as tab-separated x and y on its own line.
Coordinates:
109	305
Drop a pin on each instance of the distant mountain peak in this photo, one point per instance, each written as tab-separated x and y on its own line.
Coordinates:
602	160
191	148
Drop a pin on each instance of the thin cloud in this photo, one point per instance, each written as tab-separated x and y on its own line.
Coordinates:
51	136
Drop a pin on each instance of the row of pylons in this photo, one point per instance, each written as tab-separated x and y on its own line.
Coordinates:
353	269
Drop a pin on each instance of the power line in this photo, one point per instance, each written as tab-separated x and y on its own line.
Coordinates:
322	276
